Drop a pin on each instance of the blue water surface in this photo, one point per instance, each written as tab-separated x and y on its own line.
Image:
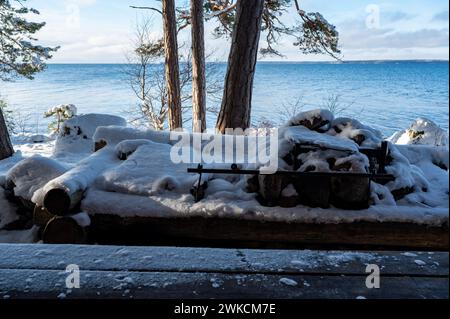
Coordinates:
386	95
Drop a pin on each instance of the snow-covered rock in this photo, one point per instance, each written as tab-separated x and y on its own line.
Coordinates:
422	132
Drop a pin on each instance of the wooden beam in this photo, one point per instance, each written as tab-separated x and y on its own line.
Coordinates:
227	232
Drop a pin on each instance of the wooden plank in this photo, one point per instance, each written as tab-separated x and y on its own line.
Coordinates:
141	285
227	232
207	260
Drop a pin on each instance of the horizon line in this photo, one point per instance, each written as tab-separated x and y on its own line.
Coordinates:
280	61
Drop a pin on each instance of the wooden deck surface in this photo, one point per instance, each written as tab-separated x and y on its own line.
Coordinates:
38	271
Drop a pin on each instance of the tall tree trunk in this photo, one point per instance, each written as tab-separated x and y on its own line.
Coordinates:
198	67
172	65
6	149
237	97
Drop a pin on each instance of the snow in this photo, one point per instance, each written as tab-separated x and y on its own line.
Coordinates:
354	130
182	205
310	117
422	132
66	110
299	134
135	176
148	171
76	138
113	135
87	124
26	148
288	282
79	177
419	262
32	173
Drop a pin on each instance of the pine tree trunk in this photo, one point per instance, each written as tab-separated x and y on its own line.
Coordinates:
198	67
6	148
236	103
172	65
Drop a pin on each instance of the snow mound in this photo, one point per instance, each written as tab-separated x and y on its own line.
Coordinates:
421	132
76	138
86	125
147	171
356	131
38	138
32	173
291	136
314	120
113	135
417	171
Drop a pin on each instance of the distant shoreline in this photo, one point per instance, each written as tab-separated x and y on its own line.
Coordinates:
290	62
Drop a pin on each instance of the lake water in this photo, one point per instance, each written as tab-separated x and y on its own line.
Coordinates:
385	95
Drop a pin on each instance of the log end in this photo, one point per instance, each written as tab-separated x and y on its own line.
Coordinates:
41	216
63	230
57	202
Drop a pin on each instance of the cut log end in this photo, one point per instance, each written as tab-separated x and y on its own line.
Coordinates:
63	230
41	216
57	202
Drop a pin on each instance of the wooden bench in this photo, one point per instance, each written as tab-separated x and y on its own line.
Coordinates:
38	271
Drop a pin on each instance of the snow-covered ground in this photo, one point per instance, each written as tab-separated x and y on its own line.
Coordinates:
147	183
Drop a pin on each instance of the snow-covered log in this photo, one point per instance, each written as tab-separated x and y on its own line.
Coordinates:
32	173
64	193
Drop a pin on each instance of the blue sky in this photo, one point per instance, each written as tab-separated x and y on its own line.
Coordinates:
101	31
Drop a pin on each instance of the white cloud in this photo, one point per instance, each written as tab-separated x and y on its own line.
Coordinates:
81	3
